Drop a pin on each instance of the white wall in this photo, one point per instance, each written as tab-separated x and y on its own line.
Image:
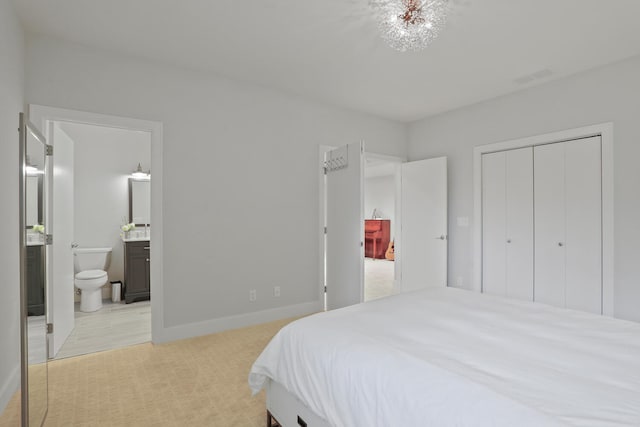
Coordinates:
611	93
11	103
240	173
380	194
104	158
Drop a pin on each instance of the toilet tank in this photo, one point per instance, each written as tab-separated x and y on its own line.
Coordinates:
91	259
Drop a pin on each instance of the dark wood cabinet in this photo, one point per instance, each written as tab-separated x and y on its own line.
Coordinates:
136	271
35	280
377	233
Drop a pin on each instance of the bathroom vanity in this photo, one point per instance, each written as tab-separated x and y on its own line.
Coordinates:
137	284
35	279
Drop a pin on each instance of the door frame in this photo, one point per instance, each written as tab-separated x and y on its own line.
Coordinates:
322	149
42	115
605	131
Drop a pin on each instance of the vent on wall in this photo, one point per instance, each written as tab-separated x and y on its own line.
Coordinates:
538	75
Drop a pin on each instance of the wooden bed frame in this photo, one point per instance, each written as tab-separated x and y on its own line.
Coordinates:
286	410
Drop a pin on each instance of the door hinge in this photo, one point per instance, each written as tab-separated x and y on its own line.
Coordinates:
325	289
49	150
48	240
361	244
49	328
325	230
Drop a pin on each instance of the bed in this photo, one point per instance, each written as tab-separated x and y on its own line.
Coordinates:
450	357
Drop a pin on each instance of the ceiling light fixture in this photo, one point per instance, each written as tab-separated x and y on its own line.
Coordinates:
410	24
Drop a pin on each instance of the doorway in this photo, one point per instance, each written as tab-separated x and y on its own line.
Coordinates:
380	225
103	198
419	234
98	164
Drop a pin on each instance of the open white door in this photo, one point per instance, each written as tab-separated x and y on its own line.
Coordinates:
61	291
345	230
422	249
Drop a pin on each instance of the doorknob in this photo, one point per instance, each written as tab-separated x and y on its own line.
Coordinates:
443	237
560	244
74	245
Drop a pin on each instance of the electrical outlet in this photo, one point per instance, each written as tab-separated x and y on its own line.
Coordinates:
252	295
276	291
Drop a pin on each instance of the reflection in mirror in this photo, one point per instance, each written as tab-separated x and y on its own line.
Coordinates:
33	276
33	195
139	201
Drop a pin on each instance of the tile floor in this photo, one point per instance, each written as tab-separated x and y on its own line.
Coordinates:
115	325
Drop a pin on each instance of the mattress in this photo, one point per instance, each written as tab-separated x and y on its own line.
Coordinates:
446	357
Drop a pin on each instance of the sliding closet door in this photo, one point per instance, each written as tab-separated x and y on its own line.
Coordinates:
583	258
568	224
507	223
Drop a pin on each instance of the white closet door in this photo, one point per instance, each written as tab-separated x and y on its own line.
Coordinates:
549	202
507	223
494	277
568	224
519	223
583	182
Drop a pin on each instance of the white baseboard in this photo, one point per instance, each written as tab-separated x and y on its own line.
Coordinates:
9	388
234	322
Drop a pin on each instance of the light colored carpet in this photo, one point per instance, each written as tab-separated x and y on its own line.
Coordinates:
195	382
378	278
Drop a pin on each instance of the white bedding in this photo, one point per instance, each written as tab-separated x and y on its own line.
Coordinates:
449	357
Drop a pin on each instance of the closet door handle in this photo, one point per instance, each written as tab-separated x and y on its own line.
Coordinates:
560	244
443	237
508	240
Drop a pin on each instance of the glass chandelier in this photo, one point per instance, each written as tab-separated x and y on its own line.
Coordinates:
410	24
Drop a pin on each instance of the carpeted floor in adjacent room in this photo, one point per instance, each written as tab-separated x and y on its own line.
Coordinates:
195	382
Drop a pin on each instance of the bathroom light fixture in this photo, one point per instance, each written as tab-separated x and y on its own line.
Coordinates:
140	174
410	24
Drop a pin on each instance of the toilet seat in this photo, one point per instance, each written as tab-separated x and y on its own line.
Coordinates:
90	279
91	274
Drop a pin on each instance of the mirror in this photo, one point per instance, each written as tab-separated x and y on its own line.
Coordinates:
139	201
34	351
32	197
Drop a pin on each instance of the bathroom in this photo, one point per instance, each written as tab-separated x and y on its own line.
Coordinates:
101	205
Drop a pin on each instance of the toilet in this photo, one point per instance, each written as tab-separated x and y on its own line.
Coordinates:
90	268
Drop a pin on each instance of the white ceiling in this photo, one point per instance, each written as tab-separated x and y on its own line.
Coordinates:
330	50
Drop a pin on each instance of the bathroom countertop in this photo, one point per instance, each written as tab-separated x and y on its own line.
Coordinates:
135	239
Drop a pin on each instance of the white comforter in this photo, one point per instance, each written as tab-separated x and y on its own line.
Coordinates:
448	357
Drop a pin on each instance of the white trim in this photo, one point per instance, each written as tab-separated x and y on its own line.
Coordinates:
10	387
40	115
605	130
239	321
